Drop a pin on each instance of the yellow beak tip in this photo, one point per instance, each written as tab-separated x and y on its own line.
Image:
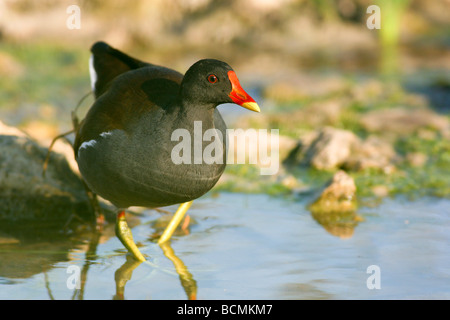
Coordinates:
253	106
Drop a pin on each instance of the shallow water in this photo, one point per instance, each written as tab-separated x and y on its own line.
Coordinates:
245	247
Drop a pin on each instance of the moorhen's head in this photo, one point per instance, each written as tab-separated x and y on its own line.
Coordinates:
210	82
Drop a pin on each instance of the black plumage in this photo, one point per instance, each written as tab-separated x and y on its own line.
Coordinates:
124	145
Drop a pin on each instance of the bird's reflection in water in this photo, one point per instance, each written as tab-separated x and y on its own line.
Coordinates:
186	278
63	247
124	273
90	257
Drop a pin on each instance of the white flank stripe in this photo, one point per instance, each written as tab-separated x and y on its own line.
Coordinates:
86	144
93	142
105	134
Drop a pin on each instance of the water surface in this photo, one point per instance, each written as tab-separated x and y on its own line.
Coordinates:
245	247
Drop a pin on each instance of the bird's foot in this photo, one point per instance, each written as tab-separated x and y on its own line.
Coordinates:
123	232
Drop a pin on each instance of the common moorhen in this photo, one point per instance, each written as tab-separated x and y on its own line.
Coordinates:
124	145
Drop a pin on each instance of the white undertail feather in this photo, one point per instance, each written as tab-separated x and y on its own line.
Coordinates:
92	73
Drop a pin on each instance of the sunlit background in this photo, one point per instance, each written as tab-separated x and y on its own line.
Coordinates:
276	46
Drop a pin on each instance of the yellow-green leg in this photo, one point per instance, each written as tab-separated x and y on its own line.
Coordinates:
173	224
123	232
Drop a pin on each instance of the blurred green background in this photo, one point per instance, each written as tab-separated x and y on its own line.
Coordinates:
310	63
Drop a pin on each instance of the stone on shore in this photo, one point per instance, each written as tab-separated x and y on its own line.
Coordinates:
26	195
330	148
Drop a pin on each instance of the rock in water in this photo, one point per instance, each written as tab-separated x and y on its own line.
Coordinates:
25	195
335	208
338	195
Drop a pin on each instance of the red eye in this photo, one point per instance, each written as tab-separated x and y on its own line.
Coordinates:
212	78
